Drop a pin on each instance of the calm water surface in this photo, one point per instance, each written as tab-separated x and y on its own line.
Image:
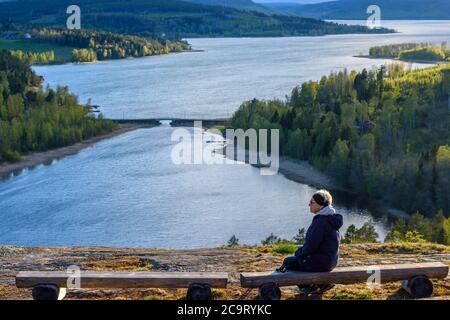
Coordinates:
214	83
127	192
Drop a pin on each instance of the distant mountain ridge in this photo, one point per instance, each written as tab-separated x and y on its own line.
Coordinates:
168	19
247	5
356	9
288	8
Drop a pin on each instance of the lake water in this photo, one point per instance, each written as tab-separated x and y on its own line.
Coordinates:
214	83
127	192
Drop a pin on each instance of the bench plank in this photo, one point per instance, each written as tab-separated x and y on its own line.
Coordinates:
346	275
29	279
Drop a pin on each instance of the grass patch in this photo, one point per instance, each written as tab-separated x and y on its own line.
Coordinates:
348	294
62	53
441	288
284	248
280	248
408	247
153	298
120	263
12	291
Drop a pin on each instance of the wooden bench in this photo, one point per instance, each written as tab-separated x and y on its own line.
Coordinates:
416	278
52	285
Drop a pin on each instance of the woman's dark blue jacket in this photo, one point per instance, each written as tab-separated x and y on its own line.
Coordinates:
320	252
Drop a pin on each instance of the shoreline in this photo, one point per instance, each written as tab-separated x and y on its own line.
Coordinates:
63	63
406	61
34	159
303	172
299	171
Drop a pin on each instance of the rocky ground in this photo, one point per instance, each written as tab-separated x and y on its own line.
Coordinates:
231	260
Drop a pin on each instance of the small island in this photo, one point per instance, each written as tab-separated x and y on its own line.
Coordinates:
56	46
411	52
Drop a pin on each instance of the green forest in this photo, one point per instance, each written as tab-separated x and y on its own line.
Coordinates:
381	133
168	19
416	229
88	46
31	57
37	119
245	5
94	46
412	52
357	9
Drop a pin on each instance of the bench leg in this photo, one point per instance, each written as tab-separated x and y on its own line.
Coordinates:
269	291
48	292
418	287
199	291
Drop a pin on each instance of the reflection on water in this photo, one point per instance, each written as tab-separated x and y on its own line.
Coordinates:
127	192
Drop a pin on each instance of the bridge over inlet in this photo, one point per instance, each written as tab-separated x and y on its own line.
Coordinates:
174	122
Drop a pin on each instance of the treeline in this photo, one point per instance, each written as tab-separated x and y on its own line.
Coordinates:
412	51
427	53
36	119
91	45
417	229
170	19
420	229
383	133
84	55
393	50
35	57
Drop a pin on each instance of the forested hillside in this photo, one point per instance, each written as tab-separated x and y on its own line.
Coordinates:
247	5
288	8
36	119
412	52
382	133
89	46
169	19
391	10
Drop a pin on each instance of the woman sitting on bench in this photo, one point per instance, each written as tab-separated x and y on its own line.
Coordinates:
320	252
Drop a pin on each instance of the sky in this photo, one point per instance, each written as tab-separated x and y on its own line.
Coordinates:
291	1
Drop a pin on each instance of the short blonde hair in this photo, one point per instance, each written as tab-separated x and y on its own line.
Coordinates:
322	193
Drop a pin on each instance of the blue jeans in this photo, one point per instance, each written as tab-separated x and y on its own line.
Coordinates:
292	263
309	264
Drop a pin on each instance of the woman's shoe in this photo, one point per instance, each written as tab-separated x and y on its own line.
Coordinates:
315	289
307	289
281	269
324	288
